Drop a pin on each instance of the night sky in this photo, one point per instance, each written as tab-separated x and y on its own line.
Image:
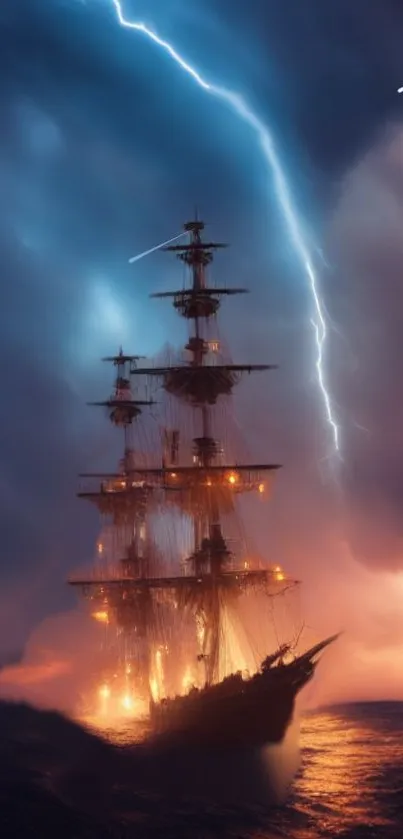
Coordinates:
106	146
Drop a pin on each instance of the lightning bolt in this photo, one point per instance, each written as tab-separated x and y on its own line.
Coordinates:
156	248
264	136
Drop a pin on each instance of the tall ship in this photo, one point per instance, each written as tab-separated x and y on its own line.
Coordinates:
188	607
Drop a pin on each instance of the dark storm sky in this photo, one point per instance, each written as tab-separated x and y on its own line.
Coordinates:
105	147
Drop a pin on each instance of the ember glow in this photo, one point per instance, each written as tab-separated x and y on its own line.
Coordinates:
157	682
112	706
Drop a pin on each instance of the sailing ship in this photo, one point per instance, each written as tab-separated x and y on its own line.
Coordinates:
167	598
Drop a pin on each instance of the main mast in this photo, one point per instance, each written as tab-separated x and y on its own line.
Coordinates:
209	484
199	305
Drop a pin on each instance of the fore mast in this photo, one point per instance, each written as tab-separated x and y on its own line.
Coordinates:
123	502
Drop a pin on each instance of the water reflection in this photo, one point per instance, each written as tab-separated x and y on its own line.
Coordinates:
351	772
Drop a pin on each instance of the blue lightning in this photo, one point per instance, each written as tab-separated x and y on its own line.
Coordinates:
155	248
242	109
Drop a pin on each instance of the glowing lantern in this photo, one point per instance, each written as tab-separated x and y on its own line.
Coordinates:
101	617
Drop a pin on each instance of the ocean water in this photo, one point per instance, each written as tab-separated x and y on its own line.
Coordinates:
58	780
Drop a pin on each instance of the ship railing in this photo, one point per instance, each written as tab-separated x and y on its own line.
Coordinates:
237	478
98	486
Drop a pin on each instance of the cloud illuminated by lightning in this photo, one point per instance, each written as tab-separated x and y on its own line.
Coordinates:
242	109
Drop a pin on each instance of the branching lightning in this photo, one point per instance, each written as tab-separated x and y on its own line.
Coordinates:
263	134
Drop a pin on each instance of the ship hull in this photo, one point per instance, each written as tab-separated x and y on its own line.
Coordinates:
238	714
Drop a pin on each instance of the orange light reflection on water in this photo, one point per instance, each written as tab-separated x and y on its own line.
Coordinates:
343	757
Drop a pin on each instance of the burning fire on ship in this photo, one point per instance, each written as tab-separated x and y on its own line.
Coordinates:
195	626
